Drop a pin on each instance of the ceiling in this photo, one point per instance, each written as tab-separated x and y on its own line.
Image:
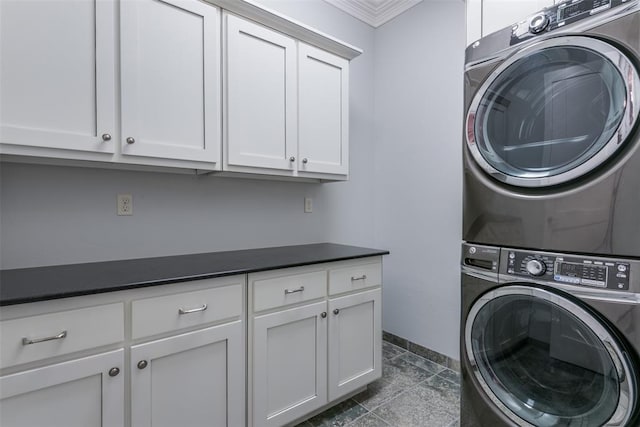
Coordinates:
374	12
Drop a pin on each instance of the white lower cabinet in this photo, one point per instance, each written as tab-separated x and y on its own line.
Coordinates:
355	341
314	336
289	364
63	361
83	392
192	379
316	346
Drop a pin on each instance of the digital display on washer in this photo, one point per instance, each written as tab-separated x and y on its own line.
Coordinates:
571	270
576	8
582	274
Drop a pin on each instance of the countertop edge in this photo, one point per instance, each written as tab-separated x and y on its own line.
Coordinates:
32	296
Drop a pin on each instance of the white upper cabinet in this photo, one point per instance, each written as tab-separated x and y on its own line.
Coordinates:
323	111
261	97
286	104
281	107
170	73
57	74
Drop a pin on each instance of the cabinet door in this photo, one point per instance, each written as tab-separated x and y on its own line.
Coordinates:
193	379
170	79
323	112
261	96
355	342
78	393
289	364
57	74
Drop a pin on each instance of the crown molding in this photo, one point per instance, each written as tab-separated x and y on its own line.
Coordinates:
374	12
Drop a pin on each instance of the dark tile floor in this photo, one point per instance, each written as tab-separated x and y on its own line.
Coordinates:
413	392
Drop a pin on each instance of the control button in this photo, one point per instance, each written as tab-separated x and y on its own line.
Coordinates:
512	255
536	267
622	267
538	23
597	283
472	250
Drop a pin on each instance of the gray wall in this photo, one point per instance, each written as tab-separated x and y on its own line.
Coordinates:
418	115
403	195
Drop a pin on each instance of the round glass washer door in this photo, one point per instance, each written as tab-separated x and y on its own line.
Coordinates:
554	111
545	361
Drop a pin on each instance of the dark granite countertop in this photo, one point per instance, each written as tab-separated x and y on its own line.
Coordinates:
25	285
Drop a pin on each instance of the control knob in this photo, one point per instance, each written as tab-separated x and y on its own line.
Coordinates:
538	23
535	267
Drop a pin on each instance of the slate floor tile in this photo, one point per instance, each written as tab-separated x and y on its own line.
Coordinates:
369	420
397	376
423	363
340	415
389	351
426	404
450	375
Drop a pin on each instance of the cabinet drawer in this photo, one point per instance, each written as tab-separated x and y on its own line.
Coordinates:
290	289
38	337
152	316
352	277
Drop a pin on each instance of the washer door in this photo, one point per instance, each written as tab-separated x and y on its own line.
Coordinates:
546	361
553	111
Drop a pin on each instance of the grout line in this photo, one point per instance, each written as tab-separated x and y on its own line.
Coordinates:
369	414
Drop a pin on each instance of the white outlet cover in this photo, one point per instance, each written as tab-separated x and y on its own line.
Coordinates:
125	204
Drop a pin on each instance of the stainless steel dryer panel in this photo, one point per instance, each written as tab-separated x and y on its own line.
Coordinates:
598	213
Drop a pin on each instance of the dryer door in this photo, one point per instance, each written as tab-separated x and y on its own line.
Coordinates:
546	361
553	111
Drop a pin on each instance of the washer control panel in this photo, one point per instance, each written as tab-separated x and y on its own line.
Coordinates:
574	270
558	15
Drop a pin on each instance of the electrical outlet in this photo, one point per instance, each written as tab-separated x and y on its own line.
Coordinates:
308	205
125	204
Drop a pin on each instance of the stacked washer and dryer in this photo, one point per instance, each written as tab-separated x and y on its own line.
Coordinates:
550	328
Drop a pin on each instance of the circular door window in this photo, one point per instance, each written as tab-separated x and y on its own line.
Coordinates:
545	361
553	112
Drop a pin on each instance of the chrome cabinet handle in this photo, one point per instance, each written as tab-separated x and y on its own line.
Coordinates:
114	372
323	314
363	277
305	160
193	310
130	140
142	364
292	159
287	291
106	137
336	311
27	341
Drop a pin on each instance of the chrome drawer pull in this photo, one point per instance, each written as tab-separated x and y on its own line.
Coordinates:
193	310
287	291
363	277
27	341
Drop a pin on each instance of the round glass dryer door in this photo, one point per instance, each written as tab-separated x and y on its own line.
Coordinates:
545	361
554	111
